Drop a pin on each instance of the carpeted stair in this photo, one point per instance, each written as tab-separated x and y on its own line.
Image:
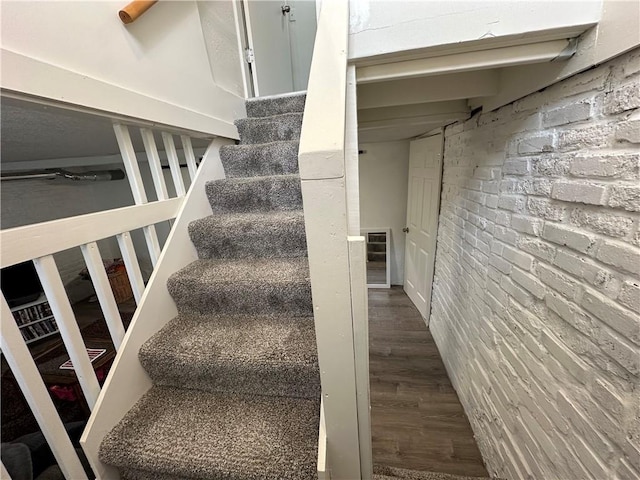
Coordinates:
382	472
236	390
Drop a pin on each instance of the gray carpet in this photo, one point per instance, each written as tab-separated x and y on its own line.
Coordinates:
236	390
392	473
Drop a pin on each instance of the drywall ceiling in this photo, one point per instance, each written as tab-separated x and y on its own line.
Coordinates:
32	131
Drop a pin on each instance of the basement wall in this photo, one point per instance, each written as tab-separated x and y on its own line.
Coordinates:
536	295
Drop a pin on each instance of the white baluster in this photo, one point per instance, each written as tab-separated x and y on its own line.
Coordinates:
69	330
93	259
189	155
174	163
35	393
131	262
154	163
137	187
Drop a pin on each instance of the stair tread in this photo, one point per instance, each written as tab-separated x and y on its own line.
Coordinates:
203	435
235	352
277	233
245	271
258	130
253	194
273	104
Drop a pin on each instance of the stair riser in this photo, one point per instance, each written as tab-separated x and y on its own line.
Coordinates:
298	382
268	194
249	240
279	158
276	106
192	296
269	129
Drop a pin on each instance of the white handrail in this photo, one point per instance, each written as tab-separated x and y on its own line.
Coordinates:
47	238
323	175
127	380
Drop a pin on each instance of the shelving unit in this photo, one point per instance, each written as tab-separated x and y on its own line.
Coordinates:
35	320
378	256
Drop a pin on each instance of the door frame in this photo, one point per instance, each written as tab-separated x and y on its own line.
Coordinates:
430	272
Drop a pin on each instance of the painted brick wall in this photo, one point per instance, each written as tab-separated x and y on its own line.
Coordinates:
536	295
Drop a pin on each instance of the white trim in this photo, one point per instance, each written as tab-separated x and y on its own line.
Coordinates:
241	29
254	72
155	166
68	326
101	285
463	62
324	473
25	75
35	393
351	157
617	32
3	472
360	313
21	244
130	163
130	259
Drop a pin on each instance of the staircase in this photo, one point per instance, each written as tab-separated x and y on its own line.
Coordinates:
236	390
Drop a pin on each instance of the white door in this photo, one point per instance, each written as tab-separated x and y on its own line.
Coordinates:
281	34
268	28
425	166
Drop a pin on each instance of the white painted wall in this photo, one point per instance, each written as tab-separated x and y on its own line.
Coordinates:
221	42
162	56
384	27
384	170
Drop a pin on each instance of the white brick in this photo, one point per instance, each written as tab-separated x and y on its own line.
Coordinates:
559	282
519	294
568	114
532	226
513	203
517	258
529	283
626	354
543	208
621	255
567	236
625	196
629	295
597	136
626	471
515	167
607	397
622	99
628	132
620	319
537	248
536	144
568	312
602	222
565	356
578	192
550	165
619	165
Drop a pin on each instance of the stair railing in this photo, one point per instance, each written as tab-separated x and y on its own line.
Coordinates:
40	242
127	380
328	170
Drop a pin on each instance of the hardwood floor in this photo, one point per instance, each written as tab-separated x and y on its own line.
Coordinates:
417	420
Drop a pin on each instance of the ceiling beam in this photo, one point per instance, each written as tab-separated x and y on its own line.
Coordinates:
455	107
466	62
428	89
425	120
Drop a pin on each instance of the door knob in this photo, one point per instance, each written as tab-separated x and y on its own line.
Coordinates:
285	9
405	229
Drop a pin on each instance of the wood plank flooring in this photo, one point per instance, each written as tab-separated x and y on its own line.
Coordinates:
417	420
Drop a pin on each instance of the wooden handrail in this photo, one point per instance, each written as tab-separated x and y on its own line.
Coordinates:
131	12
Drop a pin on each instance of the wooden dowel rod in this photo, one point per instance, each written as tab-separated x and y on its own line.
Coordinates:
136	8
